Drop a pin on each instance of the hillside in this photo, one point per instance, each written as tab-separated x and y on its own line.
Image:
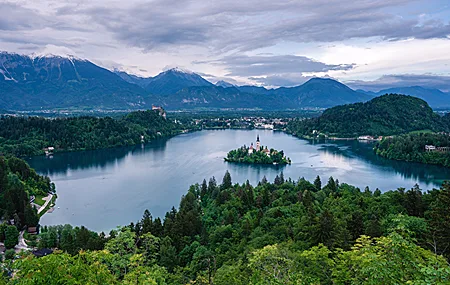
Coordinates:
63	82
17	183
385	115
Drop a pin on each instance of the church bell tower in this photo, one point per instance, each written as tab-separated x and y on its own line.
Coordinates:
258	144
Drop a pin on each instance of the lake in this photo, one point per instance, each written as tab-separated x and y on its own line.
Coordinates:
106	188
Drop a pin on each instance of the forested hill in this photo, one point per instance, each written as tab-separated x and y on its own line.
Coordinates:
17	183
286	232
389	114
23	136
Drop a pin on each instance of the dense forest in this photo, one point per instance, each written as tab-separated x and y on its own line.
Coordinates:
18	182
285	232
24	136
411	147
263	156
386	115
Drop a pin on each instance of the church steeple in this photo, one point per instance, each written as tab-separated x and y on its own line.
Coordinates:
257	143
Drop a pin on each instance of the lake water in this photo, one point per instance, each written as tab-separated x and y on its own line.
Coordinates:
106	188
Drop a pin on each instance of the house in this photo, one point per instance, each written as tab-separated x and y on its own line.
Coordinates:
430	148
250	150
49	150
33	230
366	138
266	151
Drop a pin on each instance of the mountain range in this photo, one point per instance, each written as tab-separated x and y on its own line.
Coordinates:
434	97
49	82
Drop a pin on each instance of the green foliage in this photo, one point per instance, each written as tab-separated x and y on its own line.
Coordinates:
60	267
25	136
17	183
11	237
390	260
411	147
70	239
9	254
286	232
382	116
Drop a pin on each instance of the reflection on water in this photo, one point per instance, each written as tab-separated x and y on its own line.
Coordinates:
63	163
428	174
105	188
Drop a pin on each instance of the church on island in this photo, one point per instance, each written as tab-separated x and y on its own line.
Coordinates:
257	154
251	149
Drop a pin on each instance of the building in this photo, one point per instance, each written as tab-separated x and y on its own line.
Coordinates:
250	150
266	151
160	109
33	230
49	150
430	148
258	144
366	138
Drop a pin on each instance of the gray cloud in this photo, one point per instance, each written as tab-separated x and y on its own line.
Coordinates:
242	65
277	80
403	80
274	70
248	25
16	18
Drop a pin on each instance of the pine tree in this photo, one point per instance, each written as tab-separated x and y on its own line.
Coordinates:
318	183
226	182
147	222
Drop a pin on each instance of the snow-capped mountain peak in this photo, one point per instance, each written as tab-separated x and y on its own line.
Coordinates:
179	70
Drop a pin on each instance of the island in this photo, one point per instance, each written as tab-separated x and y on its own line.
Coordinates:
257	155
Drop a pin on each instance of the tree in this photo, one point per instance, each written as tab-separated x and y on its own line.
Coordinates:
167	254
226	182
3	228
272	265
439	221
81	269
11	237
331	186
318	183
389	260
9	254
204	189
31	216
147	222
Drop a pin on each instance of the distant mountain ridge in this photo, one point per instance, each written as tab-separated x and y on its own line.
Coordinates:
48	82
434	97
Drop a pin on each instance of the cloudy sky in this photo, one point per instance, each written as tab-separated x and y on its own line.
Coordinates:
369	44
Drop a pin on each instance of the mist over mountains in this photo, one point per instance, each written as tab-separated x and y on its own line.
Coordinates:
49	82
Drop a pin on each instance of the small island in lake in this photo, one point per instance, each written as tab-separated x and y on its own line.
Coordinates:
257	155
